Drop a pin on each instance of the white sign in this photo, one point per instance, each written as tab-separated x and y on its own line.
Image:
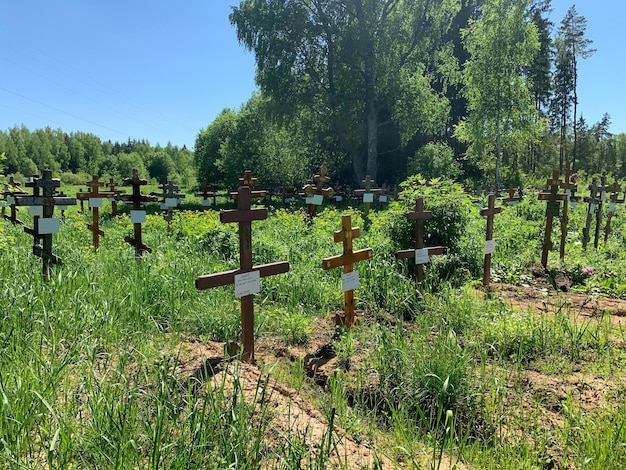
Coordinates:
350	281
171	201
338	198
512	203
35	211
3	204
62	208
247	283
10	200
592	208
490	247
382	198
164	206
206	202
603	196
611	207
48	226
137	217
574	204
368	197
95	202
568	193
421	256
315	199
112	199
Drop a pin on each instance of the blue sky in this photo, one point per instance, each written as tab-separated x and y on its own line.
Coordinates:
162	71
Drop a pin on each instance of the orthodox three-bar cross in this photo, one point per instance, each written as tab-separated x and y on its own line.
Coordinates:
350	278
204	193
512	199
137	214
171	198
594	201
553	208
46	225
614	200
113	199
247	278
316	193
367	192
94	196
13	190
490	211
420	254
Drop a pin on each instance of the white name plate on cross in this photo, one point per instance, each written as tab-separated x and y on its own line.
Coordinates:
611	207
35	211
3	204
490	247
137	217
603	196
350	281
338	198
95	202
592	208
10	200
573	204
171	202
315	199
112	199
206	203
247	283
421	256
368	197
49	226
62	208
382	198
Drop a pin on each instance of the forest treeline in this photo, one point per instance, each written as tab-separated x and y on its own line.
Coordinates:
481	91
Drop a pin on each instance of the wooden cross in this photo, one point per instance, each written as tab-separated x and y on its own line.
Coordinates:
137	214
420	254
570	187
244	215
347	260
614	200
171	198
13	190
603	189
95	202
553	208
383	197
116	192
367	192
512	199
593	200
205	194
48	225
317	192
490	211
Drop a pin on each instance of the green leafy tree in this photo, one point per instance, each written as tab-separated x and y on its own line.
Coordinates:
208	144
502	117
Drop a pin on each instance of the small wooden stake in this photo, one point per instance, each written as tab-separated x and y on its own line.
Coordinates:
95	193
318	190
137	200
490	211
244	215
553	209
347	260
419	215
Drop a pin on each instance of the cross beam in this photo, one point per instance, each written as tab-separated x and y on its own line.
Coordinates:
347	259
244	215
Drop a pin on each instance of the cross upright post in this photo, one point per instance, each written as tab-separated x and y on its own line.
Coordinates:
94	196
512	199
603	189
490	211
317	192
112	185
350	278
570	187
593	200
137	214
420	254
247	278
171	198
367	192
204	193
614	200
45	225
553	208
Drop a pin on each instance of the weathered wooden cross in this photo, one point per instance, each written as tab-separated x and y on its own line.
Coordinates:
614	200
171	198
95	202
247	278
420	254
315	193
13	190
113	199
137	214
603	189
367	192
204	193
46	225
593	200
490	211
553	208
570	187
512	199
350	278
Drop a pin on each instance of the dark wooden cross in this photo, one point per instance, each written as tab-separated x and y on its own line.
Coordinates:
13	190
512	199
383	197
604	193
420	254
46	225
34	232
614	200
570	187
347	260
367	192
95	202
593	200
204	193
317	192
137	213
112	185
553	208
490	211
246	278
171	198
